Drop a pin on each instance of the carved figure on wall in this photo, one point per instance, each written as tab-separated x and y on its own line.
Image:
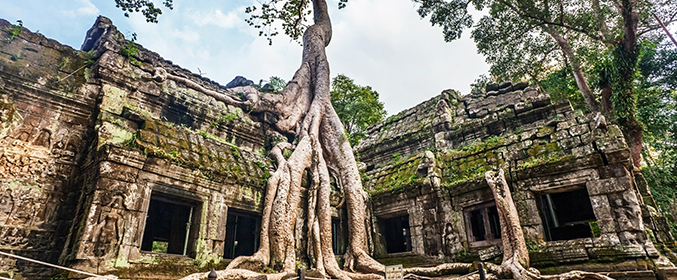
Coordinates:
6	205
431	235
450	241
43	139
431	240
108	230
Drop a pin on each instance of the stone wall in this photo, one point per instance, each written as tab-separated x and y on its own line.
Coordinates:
545	149
46	118
87	137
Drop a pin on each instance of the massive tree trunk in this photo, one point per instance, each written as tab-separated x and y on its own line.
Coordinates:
626	57
304	109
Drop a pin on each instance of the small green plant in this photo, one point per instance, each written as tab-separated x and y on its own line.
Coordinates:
227	117
15	31
236	153
277	83
493	139
268	270
261	164
594	227
14	57
130	50
396	156
174	154
64	62
287	153
203	133
132	142
532	246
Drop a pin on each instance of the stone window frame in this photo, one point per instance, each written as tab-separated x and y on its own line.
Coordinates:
380	222
180	194
541	208
490	240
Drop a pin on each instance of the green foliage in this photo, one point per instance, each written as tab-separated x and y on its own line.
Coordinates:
452	15
594	228
146	7
657	109
561	86
15	31
130	50
480	84
396	156
294	15
277	83
227	117
235	151
357	107
65	61
160	247
662	179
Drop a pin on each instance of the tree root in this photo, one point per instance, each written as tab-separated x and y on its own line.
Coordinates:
440	270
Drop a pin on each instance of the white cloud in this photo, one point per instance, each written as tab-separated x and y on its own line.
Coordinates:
87	9
217	18
187	34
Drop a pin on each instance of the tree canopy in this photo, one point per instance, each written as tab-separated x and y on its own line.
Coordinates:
596	39
357	106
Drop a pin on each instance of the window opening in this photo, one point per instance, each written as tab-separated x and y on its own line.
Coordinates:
242	234
168	225
483	226
397	234
566	215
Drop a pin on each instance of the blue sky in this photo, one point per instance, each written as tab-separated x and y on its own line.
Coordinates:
380	43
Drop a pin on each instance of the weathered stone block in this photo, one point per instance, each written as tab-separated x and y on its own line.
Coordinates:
601	207
605	186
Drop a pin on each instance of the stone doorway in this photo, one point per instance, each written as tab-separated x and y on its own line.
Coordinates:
397	234
242	234
169	225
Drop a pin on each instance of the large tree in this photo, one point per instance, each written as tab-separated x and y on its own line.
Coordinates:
519	39
357	106
303	110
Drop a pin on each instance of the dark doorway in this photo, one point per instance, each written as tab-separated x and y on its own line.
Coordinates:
339	235
168	225
566	215
483	224
242	234
397	235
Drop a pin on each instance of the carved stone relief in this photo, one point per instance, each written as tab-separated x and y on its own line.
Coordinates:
108	228
627	216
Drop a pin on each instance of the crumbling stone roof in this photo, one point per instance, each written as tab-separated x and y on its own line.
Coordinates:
514	127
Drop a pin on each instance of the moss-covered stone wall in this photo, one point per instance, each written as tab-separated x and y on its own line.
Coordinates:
87	137
544	148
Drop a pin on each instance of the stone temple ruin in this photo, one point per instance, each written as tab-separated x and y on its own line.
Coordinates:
105	169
